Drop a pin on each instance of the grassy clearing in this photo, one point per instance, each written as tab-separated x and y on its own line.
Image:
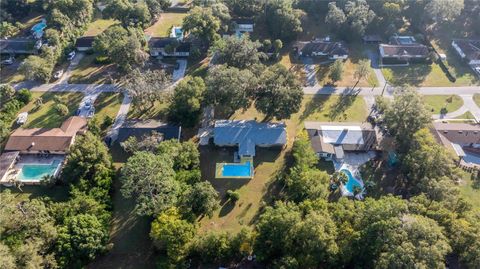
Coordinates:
469	192
88	72
476	98
97	26
426	75
162	27
46	116
158	111
106	105
334	108
442	103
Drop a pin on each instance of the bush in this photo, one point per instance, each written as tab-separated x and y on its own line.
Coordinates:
107	122
61	109
102	60
233	195
24	96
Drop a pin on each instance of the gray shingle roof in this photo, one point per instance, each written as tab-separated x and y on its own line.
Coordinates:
140	128
248	134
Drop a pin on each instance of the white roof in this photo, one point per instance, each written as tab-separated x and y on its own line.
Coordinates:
339	135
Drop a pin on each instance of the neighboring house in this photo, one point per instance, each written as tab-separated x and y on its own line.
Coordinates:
168	47
84	43
43	140
243	25
403	50
321	48
330	140
461	138
20	46
142	128
372	39
468	50
248	134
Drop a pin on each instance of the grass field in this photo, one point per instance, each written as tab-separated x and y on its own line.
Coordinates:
55	193
107	104
437	103
47	116
269	163
162	27
158	111
89	72
466	116
476	98
470	193
97	26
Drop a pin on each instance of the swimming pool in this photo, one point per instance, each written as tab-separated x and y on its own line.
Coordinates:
236	170
352	182
39	27
35	172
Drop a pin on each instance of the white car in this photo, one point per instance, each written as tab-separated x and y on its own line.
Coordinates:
88	104
477	69
58	74
8	61
71	55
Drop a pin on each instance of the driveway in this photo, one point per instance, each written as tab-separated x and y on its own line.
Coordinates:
73	64
376	68
179	73
86	105
120	118
310	74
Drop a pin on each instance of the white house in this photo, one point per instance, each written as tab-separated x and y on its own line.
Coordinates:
243	25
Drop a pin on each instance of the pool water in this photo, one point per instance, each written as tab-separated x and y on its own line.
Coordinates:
237	170
35	172
352	181
39	27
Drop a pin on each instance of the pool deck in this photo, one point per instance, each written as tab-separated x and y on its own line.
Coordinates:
26	159
219	169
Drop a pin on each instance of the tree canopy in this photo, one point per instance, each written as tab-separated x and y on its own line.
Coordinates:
187	99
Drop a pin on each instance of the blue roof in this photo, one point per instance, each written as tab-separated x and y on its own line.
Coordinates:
248	134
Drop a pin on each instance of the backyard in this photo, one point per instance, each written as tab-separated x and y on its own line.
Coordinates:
158	111
442	104
97	26
46	116
162	27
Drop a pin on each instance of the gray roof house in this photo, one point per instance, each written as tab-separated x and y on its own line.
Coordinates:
84	43
247	134
140	128
158	47
332	139
403	50
19	46
468	50
321	48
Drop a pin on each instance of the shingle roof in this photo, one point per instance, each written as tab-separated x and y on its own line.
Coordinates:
138	129
458	133
324	136
7	159
407	51
84	42
248	134
243	20
40	139
162	42
471	48
17	45
320	46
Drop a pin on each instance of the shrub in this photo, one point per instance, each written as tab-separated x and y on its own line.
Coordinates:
102	60
107	122
24	96
61	109
233	195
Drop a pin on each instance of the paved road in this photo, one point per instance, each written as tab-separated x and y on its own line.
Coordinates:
372	91
50	87
73	64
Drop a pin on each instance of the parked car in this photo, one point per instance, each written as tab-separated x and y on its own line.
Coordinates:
477	69
91	113
177	66
88	104
58	74
8	61
71	55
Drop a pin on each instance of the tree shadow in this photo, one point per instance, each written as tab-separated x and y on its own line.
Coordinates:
313	106
413	74
343	103
227	207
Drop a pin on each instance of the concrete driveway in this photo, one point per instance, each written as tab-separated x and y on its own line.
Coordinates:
73	64
179	73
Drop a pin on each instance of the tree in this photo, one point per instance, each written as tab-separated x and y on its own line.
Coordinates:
444	10
89	166
80	240
335	16
150	180
24	96
233	195
362	70
279	94
7	92
146	143
186	105
134	13
147	87
405	116
122	46
238	52
202	199
229	88
157	6
172	234
185	155
336	71
61	109
282	20
307	183
202	23
244	8
359	16
36	68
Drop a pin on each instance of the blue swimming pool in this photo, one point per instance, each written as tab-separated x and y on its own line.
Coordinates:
352	181
237	169
35	172
39	27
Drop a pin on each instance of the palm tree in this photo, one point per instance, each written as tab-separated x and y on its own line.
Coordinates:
356	190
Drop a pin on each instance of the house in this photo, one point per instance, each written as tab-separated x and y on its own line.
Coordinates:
43	140
468	50
20	46
330	140
321	48
372	39
403	50
248	134
243	25
461	138
84	43
168	47
7	161
142	128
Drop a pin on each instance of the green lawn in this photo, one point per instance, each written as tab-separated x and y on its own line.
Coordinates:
427	75
467	116
334	108
162	27
469	192
46	116
158	111
97	26
89	72
437	103
476	98
55	193
106	105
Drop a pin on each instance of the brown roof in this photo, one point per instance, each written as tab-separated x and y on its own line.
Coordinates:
405	51
39	139
458	133
471	48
